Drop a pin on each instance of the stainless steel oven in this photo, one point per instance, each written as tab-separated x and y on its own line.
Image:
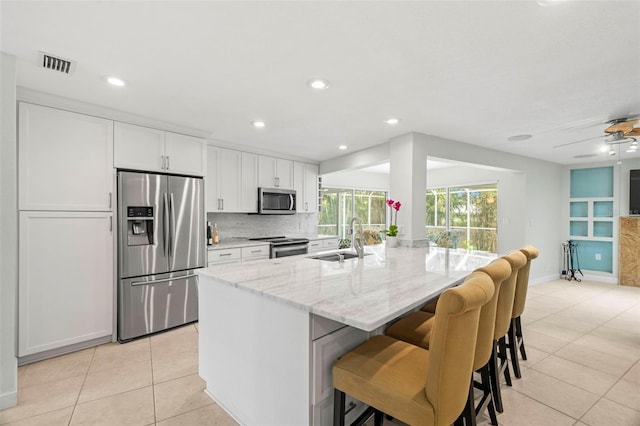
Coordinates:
283	246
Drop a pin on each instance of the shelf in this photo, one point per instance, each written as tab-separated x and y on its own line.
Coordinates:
603	209
579	209
602	229
592	182
578	228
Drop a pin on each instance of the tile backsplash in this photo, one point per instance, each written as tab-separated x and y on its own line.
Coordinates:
239	225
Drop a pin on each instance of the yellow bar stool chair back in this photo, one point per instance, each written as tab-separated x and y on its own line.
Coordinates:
415	385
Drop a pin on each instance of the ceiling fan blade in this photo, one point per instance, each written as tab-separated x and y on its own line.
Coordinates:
580	141
633	132
624	127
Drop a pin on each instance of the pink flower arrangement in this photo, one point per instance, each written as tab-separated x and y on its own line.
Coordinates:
393	228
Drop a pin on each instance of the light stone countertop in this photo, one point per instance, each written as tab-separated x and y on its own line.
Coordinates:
364	293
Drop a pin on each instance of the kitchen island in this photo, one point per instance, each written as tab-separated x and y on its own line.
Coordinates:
270	332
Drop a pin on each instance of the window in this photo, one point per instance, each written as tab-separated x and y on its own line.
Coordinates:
339	205
463	217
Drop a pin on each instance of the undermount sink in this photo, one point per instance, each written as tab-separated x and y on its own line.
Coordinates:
335	257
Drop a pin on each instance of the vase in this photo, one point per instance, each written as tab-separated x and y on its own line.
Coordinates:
391	241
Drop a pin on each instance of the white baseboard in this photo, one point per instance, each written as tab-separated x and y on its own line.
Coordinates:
609	279
544	279
8	400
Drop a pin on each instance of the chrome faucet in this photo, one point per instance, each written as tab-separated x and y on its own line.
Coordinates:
358	246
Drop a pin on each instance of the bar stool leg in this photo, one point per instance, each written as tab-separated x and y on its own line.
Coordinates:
520	338
378	418
503	361
486	390
513	348
338	407
494	374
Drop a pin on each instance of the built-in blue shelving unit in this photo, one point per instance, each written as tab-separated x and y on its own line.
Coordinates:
591	217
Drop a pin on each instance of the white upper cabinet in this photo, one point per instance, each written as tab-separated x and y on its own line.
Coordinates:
143	148
232	181
138	148
275	172
306	185
249	189
224	173
185	154
65	160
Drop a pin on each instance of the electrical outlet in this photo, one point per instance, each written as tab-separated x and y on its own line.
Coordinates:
598	256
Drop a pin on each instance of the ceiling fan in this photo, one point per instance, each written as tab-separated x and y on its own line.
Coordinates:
620	131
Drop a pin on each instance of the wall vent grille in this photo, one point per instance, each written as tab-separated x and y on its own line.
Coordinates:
54	63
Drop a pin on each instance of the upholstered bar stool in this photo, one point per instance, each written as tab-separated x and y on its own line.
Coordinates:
415	385
499	364
416	330
515	341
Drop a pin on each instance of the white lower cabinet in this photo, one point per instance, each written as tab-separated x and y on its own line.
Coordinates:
66	279
220	256
255	253
237	254
323	244
325	351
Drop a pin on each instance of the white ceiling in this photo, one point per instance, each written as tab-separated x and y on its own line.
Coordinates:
476	72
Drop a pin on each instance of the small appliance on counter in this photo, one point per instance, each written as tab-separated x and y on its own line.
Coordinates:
160	244
283	246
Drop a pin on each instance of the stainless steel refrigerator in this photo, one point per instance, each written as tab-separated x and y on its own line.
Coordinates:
161	223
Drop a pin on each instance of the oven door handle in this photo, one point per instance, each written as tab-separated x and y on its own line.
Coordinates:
291	248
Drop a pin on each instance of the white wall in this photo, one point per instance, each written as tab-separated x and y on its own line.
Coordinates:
531	214
8	234
355	179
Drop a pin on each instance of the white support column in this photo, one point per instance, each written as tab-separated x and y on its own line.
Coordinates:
408	183
8	235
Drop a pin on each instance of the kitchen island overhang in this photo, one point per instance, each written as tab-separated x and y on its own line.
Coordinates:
270	331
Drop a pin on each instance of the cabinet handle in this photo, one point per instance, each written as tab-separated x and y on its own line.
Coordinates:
306	206
110	199
225	254
256	251
277	182
168	162
222	204
110	223
162	162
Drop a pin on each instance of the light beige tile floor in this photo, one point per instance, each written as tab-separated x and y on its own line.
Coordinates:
583	342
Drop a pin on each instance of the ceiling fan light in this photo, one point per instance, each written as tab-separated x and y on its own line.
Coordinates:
604	148
612	152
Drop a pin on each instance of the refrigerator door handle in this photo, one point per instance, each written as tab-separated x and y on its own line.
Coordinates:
173	224
165	225
165	280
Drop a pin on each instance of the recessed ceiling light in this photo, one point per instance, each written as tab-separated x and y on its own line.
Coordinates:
318	84
522	137
342	147
392	121
115	81
259	124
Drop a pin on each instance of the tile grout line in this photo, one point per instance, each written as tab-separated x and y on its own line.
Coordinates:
84	380
153	384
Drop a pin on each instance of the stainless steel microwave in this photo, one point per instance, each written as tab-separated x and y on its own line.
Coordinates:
276	201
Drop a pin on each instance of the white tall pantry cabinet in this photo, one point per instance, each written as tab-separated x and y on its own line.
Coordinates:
66	198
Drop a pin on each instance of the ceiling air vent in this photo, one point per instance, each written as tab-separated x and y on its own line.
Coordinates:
54	63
